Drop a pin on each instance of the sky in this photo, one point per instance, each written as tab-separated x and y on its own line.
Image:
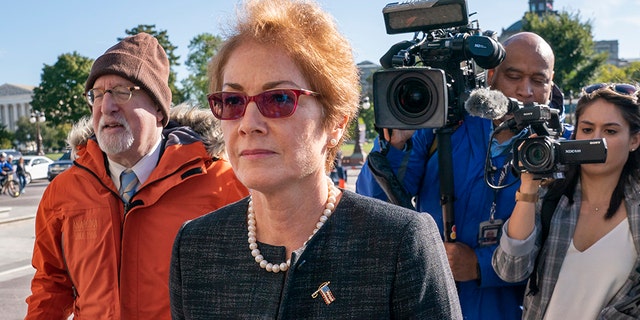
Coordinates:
35	33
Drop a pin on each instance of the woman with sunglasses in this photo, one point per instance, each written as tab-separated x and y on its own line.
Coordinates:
587	267
285	87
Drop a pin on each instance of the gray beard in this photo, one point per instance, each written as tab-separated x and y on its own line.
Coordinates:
114	144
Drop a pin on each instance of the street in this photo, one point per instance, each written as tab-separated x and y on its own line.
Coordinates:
16	245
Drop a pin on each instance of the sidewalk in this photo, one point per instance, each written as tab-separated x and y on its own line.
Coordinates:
4	212
12	214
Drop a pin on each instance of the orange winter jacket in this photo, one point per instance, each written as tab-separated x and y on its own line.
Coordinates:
97	261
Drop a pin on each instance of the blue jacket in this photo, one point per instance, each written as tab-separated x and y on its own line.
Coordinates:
490	298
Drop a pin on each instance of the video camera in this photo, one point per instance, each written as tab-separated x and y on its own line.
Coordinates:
546	155
427	80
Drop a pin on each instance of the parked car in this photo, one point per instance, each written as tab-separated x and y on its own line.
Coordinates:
60	165
35	167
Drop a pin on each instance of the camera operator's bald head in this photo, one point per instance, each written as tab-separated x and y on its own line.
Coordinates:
531	40
526	73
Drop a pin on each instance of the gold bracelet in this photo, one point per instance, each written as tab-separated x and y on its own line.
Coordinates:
526	197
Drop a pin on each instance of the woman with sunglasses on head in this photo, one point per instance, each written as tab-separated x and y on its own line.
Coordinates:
587	267
285	87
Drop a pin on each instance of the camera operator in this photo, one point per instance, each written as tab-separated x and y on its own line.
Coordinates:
526	74
588	266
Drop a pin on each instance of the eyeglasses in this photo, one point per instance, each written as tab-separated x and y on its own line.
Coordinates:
120	94
276	103
621	88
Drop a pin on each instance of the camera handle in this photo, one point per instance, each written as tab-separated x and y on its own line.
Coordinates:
445	161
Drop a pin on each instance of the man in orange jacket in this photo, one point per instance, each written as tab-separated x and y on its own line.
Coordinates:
102	252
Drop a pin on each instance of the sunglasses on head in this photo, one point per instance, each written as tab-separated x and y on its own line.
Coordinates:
275	103
621	88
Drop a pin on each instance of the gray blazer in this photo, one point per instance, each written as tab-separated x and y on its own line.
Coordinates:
382	262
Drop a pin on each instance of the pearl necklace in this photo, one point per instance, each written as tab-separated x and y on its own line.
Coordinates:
284	266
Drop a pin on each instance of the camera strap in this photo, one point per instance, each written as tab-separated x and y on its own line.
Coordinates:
402	171
549	204
388	181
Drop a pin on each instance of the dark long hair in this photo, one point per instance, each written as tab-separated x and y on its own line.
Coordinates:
630	110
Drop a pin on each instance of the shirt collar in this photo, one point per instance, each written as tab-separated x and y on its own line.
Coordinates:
142	168
499	149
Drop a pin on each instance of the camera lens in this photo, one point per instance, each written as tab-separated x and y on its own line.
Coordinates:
413	96
537	155
410	98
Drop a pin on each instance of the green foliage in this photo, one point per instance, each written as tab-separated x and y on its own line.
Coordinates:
201	48
56	137
367	117
610	73
633	72
627	74
6	138
26	130
573	45
53	136
169	48
60	93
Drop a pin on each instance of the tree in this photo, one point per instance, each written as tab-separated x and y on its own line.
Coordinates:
169	48
633	72
61	89
201	48
6	137
626	74
610	73
53	137
572	42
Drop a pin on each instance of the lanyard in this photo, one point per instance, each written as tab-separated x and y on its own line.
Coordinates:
503	174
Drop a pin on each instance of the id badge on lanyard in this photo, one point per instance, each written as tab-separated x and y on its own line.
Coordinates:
489	231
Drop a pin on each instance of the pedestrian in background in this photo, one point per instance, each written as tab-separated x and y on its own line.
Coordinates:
21	174
105	226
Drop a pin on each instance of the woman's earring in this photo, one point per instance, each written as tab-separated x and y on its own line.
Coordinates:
333	143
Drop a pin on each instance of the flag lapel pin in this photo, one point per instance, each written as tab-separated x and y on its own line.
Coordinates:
325	292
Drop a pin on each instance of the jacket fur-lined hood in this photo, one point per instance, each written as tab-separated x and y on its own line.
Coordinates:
201	121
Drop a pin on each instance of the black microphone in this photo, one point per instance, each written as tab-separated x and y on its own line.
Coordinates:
490	104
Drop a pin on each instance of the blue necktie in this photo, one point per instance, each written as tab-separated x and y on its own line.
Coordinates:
128	184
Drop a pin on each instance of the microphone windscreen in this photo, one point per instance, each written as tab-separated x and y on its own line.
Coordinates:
486	103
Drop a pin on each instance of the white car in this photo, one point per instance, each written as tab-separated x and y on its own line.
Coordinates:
36	167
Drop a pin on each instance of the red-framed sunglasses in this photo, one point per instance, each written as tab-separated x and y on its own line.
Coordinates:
621	88
275	103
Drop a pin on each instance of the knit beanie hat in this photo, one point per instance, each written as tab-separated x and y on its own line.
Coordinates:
141	60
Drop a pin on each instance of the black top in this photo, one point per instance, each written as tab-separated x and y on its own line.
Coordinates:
382	261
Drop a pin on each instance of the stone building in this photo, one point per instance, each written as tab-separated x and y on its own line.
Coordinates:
15	102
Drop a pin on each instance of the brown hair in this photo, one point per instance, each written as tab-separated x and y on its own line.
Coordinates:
630	110
311	39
